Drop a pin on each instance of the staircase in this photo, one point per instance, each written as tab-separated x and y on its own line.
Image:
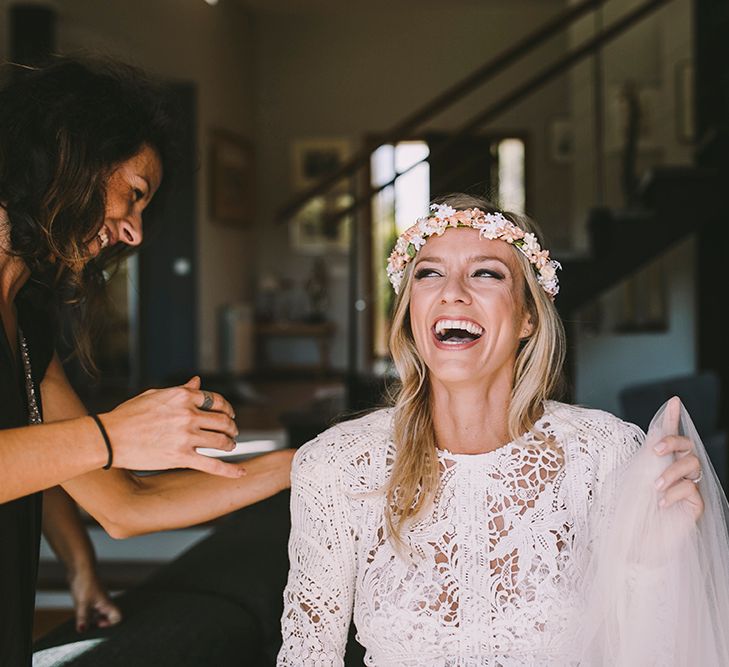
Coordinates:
621	241
674	203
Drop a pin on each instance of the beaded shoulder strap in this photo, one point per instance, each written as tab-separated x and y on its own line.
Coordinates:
34	416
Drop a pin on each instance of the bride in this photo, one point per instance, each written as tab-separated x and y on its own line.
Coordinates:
459	526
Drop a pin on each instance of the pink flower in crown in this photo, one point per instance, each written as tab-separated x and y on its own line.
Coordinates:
541	258
464	218
411	232
397	262
511	233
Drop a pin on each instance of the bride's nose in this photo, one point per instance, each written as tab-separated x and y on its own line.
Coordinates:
455	290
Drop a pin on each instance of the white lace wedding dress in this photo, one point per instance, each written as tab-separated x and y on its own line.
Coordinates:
496	564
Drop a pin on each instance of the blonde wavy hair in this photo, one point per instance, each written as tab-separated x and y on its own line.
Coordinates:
537	377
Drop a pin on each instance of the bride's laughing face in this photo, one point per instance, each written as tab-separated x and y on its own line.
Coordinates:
467	309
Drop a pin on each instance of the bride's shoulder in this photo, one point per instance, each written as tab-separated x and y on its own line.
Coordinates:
596	428
366	437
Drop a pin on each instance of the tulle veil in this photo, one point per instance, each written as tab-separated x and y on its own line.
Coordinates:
657	582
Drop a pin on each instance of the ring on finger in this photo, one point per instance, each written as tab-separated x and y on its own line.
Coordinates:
207	401
697	479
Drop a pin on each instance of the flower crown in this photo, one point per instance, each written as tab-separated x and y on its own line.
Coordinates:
490	226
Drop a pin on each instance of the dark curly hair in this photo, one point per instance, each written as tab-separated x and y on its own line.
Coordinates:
64	128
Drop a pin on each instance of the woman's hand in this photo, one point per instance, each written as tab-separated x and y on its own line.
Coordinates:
161	429
93	606
676	481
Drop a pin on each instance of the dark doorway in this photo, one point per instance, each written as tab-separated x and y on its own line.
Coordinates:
168	265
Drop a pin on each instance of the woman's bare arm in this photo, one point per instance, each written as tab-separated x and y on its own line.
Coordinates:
127	505
69	540
159	429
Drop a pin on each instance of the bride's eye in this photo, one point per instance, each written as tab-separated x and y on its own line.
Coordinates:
425	273
487	273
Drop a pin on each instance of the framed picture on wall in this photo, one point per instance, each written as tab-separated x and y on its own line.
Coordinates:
321	227
643	301
630	104
232	179
314	159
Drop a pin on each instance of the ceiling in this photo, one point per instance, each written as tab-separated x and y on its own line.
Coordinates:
319	6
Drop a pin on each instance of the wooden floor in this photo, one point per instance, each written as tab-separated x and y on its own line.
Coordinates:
47	619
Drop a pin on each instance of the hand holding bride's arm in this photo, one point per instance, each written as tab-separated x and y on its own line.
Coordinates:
125	504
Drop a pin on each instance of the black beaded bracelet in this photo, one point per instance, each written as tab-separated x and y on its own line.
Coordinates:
107	442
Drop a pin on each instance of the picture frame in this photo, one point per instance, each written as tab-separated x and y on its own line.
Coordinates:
643	301
649	101
232	179
316	158
315	231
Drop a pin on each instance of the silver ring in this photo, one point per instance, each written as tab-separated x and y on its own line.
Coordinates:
698	479
207	401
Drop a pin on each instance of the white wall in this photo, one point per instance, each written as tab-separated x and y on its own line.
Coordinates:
649	55
189	41
351	70
608	362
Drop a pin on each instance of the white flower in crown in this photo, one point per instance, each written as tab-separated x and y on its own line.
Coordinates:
548	271
442	211
530	243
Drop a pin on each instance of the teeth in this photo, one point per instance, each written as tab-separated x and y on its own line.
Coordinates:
103	237
466	325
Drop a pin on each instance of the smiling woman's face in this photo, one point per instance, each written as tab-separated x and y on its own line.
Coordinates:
467	312
129	190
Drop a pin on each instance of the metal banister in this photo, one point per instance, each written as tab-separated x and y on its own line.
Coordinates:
446	99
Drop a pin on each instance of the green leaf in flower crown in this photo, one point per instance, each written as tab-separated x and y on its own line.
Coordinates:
411	250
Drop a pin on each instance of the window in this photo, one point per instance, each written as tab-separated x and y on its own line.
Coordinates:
405	171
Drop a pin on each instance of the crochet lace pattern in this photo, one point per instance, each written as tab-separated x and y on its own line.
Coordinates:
495	565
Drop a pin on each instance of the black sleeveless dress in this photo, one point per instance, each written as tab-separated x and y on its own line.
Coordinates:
20	520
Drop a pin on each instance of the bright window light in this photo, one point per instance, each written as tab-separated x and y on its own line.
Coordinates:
394	209
512	193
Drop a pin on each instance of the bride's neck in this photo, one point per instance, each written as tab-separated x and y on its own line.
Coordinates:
471	419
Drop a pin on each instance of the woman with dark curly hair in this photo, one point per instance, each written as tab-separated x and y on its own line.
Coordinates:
83	149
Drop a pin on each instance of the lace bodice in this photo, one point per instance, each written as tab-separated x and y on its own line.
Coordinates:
493	568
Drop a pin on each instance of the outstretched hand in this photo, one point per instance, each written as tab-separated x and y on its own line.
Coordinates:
162	429
675	483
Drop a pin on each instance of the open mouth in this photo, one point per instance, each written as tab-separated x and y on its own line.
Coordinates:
457	332
103	237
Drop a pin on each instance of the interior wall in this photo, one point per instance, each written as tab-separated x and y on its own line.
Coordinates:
651	55
609	362
350	71
190	41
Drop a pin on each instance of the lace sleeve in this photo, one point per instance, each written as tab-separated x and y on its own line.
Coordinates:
623	444
319	593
